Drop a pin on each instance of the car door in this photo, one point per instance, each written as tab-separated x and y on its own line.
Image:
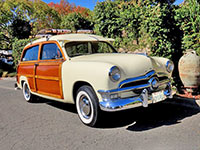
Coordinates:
48	70
27	65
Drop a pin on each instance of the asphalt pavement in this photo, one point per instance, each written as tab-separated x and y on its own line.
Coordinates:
47	125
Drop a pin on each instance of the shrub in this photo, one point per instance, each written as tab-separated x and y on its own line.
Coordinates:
106	15
17	47
75	21
188	18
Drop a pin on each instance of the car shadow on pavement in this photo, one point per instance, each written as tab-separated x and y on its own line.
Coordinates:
63	106
59	105
142	119
137	119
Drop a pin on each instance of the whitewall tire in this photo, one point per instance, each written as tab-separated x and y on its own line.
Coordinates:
87	106
28	96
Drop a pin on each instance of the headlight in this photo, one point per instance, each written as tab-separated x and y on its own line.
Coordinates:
169	66
115	74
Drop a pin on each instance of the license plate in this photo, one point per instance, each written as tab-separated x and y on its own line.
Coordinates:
158	96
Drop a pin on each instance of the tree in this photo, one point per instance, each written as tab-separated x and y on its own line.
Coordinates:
44	17
17	47
65	8
75	21
21	29
188	18
106	16
5	17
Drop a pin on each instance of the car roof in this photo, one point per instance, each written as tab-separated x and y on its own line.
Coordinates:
72	37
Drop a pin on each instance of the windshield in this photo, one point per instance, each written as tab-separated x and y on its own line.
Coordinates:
85	48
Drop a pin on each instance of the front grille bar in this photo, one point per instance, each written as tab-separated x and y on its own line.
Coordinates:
146	76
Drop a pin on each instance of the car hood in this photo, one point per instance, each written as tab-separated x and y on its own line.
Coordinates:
131	65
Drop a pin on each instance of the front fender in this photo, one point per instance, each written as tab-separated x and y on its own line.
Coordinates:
94	73
159	65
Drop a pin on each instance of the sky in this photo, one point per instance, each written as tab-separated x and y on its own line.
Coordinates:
90	3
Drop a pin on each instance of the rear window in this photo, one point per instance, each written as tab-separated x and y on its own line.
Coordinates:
31	54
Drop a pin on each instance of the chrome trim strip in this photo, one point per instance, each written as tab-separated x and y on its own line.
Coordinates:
121	104
125	89
148	75
137	87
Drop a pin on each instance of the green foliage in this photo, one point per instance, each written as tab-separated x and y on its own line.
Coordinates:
75	21
17	47
188	18
156	29
44	17
15	16
106	16
140	25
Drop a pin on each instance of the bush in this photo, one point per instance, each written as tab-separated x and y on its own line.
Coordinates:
106	15
188	18
139	25
18	46
75	21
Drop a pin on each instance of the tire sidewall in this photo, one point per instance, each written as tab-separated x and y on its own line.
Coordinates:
28	99
92	98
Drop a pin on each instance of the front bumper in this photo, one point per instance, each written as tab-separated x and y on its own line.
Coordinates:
112	100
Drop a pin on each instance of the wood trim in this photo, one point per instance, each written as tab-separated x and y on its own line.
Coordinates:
48	94
34	80
26	75
60	81
27	63
53	62
47	78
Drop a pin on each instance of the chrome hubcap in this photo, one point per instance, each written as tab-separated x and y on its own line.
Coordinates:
85	107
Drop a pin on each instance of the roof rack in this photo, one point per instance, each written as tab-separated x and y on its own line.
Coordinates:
47	32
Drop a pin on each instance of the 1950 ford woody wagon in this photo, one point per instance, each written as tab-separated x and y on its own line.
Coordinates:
86	70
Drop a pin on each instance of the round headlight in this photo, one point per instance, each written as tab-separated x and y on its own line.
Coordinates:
115	74
169	66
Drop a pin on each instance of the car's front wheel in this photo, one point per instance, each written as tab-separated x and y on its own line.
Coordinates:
29	97
87	106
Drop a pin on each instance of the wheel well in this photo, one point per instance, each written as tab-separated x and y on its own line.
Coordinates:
77	85
22	82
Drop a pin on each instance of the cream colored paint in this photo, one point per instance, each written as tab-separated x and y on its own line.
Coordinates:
94	69
73	37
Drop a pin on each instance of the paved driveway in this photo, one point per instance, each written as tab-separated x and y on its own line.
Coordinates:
47	125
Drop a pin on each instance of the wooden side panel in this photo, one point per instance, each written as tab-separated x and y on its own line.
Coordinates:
48	69
27	70
48	87
48	78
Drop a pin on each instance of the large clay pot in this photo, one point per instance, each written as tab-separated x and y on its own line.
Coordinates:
189	69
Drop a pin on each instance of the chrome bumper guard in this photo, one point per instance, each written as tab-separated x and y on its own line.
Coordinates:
111	101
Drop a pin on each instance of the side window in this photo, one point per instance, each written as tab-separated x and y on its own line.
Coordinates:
50	51
77	48
31	54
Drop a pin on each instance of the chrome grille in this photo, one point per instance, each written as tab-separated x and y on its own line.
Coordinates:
142	80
